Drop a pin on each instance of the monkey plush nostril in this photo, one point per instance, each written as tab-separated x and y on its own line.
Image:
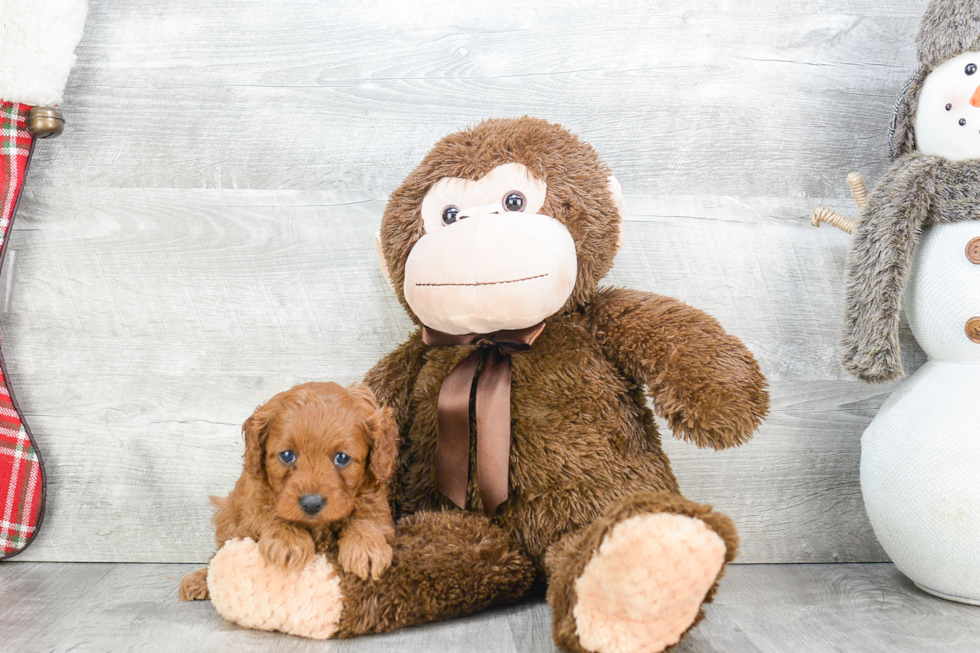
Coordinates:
975	100
478	211
312	503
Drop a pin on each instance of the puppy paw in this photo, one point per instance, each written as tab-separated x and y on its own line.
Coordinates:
291	548
364	554
194	586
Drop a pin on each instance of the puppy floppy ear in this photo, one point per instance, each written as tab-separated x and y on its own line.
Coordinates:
383	433
256	432
384	449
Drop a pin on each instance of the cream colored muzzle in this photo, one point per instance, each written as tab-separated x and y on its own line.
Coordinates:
491	272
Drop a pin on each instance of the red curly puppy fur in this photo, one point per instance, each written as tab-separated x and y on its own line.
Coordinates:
318	458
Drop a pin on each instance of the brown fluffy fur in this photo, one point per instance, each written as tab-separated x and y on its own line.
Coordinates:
445	565
316	421
585	450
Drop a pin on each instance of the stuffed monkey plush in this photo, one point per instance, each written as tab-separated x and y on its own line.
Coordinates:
529	457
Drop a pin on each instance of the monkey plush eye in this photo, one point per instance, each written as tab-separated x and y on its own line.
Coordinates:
449	215
342	459
287	457
514	201
970	69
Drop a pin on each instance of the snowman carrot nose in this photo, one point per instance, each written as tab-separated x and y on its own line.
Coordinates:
975	100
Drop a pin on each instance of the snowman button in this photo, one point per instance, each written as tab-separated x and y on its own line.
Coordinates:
973	251
973	330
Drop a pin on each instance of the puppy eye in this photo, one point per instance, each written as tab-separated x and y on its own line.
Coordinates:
287	457
971	69
341	459
449	215
514	201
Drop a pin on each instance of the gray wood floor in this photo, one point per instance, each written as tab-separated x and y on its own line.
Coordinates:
761	609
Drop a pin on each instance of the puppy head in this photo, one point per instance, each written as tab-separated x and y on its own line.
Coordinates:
316	446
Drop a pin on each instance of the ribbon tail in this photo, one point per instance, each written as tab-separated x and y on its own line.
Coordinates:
453	434
493	430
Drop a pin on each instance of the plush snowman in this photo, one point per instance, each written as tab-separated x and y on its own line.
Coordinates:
918	244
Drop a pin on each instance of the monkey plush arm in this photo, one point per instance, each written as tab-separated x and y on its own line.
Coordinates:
703	381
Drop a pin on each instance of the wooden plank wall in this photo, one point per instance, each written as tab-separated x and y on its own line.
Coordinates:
201	236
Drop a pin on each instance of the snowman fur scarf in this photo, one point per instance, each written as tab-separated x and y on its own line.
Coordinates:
920	189
37	43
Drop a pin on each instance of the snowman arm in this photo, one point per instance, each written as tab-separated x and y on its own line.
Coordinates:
703	381
879	264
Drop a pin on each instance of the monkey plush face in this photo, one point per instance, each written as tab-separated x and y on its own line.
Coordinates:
947	121
489	259
500	227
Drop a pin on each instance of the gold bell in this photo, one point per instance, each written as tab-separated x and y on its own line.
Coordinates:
45	122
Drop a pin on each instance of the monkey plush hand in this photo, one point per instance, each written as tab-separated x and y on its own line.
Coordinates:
529	453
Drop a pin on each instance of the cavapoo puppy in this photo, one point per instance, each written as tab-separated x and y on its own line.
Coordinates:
318	459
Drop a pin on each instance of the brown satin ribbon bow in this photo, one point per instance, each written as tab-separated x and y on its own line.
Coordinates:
492	413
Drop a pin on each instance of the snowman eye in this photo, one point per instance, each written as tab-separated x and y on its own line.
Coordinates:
971	69
949	107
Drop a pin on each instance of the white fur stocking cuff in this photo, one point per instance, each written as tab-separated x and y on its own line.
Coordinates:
37	48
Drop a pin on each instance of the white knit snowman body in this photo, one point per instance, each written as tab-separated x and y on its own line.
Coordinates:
920	457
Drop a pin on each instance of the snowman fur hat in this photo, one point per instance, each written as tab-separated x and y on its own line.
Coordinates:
918	190
948	29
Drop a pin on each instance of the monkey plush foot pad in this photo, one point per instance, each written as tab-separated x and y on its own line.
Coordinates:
248	591
644	586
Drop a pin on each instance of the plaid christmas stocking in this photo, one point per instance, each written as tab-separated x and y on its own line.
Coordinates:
37	43
21	470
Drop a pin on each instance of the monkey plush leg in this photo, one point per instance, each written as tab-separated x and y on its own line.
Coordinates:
445	565
635	580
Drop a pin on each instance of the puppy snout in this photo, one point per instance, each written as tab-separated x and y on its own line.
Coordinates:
312	503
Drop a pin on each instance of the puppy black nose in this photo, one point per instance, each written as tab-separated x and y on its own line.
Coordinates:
312	503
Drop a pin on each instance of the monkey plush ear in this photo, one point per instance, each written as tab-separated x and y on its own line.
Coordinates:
616	190
382	263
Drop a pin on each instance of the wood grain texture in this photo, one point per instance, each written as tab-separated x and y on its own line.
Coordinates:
761	609
201	236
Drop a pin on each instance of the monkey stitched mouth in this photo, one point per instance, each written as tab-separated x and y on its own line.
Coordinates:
480	283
